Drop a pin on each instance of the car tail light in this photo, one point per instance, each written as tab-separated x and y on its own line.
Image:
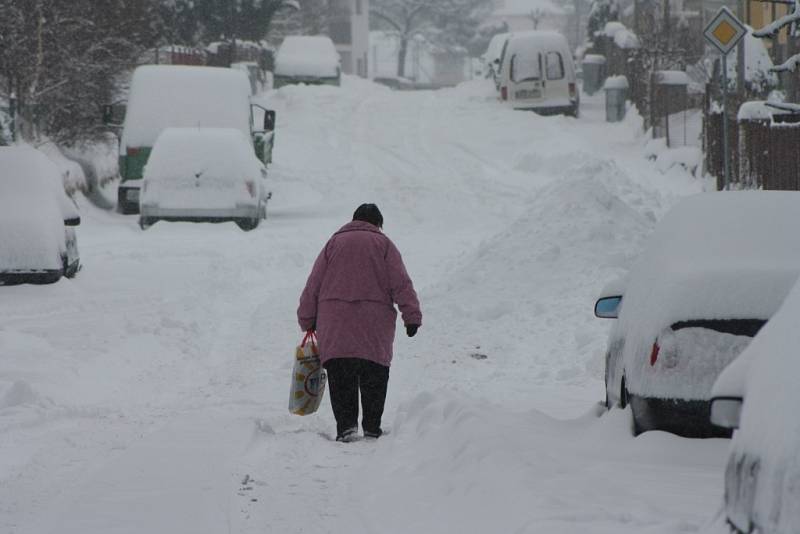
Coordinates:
654	353
133	151
251	188
572	90
504	93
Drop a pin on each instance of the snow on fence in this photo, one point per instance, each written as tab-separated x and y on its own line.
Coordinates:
763	148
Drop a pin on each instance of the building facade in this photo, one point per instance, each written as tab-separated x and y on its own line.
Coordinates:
349	30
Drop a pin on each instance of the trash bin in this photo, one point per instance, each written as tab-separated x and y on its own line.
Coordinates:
594	73
616	88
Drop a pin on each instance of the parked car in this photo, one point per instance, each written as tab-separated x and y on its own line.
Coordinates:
163	96
715	270
204	175
492	57
312	60
37	219
759	394
537	73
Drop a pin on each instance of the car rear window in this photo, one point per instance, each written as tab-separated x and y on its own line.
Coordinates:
737	327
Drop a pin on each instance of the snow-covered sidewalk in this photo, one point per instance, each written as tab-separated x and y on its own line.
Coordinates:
149	394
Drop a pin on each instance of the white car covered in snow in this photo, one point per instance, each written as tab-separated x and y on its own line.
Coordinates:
203	175
716	269
537	73
307	59
37	220
759	394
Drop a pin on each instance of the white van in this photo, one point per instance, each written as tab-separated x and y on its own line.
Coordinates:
538	74
163	96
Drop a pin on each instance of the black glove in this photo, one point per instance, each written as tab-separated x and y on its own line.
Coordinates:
411	329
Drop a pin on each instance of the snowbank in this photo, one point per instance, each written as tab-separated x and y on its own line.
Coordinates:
459	465
770	429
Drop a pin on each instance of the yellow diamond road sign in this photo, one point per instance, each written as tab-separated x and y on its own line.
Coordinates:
725	30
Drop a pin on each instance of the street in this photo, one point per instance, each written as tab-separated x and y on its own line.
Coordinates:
149	393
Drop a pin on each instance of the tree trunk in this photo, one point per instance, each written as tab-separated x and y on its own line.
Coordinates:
401	57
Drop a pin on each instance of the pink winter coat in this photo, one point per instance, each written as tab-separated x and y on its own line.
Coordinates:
350	295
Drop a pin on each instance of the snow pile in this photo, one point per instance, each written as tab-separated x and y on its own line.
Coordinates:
201	167
594	59
302	55
31	220
616	82
770	429
178	96
452	464
759	110
622	36
672	77
757	64
72	175
714	256
530	285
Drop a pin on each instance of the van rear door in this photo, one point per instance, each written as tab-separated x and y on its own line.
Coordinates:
556	84
525	72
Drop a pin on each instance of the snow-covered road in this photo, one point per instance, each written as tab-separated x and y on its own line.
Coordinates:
149	394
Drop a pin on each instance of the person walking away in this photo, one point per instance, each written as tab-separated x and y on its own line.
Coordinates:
349	300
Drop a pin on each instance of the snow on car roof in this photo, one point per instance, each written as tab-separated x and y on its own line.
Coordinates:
222	153
722	255
770	428
539	39
306	55
164	96
718	255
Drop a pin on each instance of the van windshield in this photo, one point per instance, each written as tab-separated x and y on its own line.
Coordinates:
525	68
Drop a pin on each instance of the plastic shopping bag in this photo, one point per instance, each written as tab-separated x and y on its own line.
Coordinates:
308	378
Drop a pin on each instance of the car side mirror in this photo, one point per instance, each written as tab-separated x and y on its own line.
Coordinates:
114	114
726	411
269	120
608	307
72	221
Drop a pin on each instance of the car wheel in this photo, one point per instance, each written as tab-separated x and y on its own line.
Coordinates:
248	224
636	418
623	394
146	222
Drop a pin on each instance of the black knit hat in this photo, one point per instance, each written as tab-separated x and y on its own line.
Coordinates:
369	213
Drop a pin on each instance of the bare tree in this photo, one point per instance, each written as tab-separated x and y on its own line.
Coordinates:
60	60
446	23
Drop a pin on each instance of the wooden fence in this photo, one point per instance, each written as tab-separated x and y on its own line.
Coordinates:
765	154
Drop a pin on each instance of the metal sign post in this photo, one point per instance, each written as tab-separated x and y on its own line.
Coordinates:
724	32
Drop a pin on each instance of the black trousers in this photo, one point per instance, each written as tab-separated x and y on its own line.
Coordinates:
346	376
